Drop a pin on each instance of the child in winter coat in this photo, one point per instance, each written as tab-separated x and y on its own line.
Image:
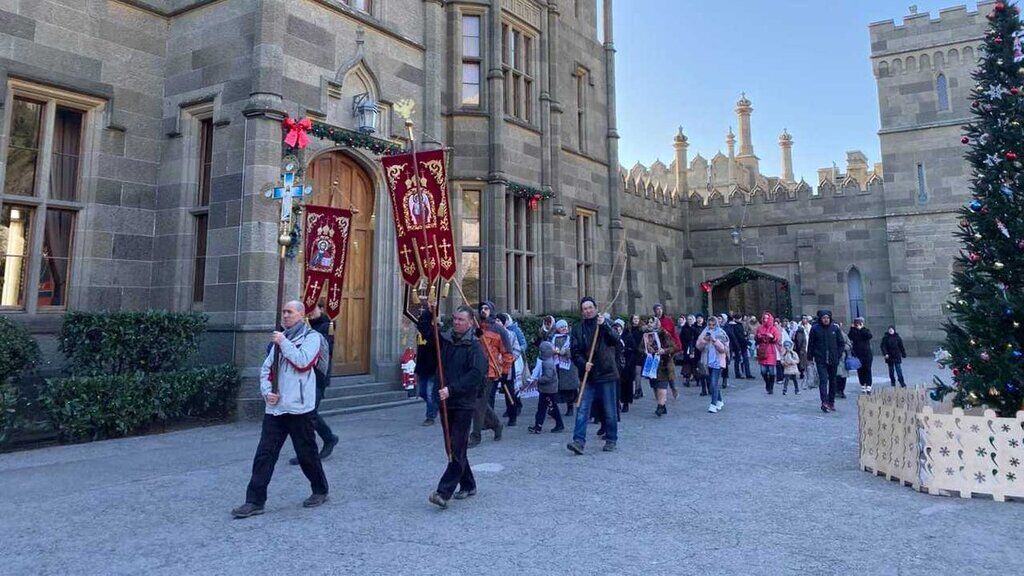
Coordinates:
546	377
790	367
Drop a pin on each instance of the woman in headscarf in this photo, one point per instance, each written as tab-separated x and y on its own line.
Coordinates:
568	377
768	340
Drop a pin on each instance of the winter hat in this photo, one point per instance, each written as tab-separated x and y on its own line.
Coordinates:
561	324
619	322
488	304
787	343
547	350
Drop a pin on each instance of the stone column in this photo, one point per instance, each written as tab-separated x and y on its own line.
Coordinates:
255	297
434	39
557	246
496	286
743	110
786	150
681	145
613	133
730	142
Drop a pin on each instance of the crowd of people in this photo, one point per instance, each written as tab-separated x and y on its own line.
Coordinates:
595	368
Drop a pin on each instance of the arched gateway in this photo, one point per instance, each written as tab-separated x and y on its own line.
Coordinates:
748	291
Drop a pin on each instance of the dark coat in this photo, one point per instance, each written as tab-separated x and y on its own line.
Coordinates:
605	368
738	342
688	338
826	343
465	366
860	339
634	341
892	348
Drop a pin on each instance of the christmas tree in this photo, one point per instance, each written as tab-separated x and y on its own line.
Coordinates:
984	336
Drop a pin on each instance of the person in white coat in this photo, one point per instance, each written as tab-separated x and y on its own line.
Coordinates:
290	411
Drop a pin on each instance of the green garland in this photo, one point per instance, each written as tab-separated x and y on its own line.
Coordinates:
353	139
522	191
742	276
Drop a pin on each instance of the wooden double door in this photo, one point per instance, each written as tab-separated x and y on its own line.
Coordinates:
341	183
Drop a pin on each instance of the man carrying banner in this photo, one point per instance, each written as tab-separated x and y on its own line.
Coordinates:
593	353
463	361
289	412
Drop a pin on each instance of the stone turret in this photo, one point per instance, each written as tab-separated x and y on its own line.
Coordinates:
681	145
730	141
786	149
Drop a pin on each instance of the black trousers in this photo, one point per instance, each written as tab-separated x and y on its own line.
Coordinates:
458	474
864	372
483	417
321	427
548	403
276	429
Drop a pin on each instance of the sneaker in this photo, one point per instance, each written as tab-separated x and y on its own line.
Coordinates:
720	404
463	494
831	407
625	408
534	430
314	500
575	448
557	429
437	500
328	448
796	391
713	408
246	510
863	389
609	447
869	389
783	391
675	394
824	408
428	422
660	411
497	433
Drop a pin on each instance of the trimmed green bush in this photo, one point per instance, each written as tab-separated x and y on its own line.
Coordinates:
121	343
18	350
8	414
94	407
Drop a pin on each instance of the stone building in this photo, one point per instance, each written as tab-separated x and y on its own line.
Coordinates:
871	240
138	136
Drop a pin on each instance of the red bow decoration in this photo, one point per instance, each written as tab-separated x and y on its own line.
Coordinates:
533	201
296	137
705	286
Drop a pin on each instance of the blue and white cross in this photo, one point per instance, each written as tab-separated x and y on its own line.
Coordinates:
287	191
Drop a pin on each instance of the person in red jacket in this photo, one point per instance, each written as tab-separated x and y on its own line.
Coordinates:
768	339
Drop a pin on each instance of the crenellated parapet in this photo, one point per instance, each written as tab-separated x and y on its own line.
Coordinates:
922	43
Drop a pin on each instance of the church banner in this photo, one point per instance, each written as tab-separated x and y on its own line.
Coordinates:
422	215
326	254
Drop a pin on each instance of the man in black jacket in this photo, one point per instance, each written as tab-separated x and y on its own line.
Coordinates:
603	374
321	323
738	345
825	346
465	369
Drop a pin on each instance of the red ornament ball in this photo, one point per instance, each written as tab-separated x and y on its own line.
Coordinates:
1011	155
975	104
1000	6
965	140
1015	91
974	257
956	372
998	40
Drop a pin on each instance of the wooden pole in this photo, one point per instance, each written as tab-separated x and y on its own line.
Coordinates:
442	383
284	240
490	357
593	343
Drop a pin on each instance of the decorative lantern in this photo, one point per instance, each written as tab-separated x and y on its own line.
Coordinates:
366	111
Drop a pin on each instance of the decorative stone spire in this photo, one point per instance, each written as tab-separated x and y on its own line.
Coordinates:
786	149
681	144
743	111
730	141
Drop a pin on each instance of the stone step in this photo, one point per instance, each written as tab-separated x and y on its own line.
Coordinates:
336	391
351	380
366	407
329	404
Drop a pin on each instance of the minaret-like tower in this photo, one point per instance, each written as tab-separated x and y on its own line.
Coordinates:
681	145
746	155
786	149
730	142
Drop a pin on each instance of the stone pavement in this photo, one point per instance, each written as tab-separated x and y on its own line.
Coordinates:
768	486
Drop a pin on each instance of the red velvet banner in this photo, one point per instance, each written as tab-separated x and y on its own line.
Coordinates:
326	254
422	215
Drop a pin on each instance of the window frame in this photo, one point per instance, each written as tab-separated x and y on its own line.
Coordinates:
582	76
368	10
41	202
585	224
942	99
200	123
521	255
478	248
469	60
518	55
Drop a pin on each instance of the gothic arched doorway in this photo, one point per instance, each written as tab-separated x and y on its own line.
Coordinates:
341	183
747	291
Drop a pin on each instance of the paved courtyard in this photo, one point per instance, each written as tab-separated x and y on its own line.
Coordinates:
768	486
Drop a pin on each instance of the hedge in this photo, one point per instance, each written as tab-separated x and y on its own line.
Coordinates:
123	343
8	405
106	406
18	350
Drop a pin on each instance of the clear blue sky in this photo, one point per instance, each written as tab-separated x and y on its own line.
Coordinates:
803	64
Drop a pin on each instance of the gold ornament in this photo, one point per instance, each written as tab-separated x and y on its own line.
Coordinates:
998	265
973	342
972	397
1016	324
957	290
993	392
977	235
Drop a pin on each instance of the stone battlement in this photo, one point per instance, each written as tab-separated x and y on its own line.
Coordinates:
921	31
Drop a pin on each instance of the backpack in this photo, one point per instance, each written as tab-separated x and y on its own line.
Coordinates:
323	359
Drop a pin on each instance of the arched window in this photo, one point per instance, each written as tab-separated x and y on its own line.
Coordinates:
942	90
856	291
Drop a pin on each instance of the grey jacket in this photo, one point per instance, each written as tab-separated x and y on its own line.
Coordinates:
297	381
547	383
